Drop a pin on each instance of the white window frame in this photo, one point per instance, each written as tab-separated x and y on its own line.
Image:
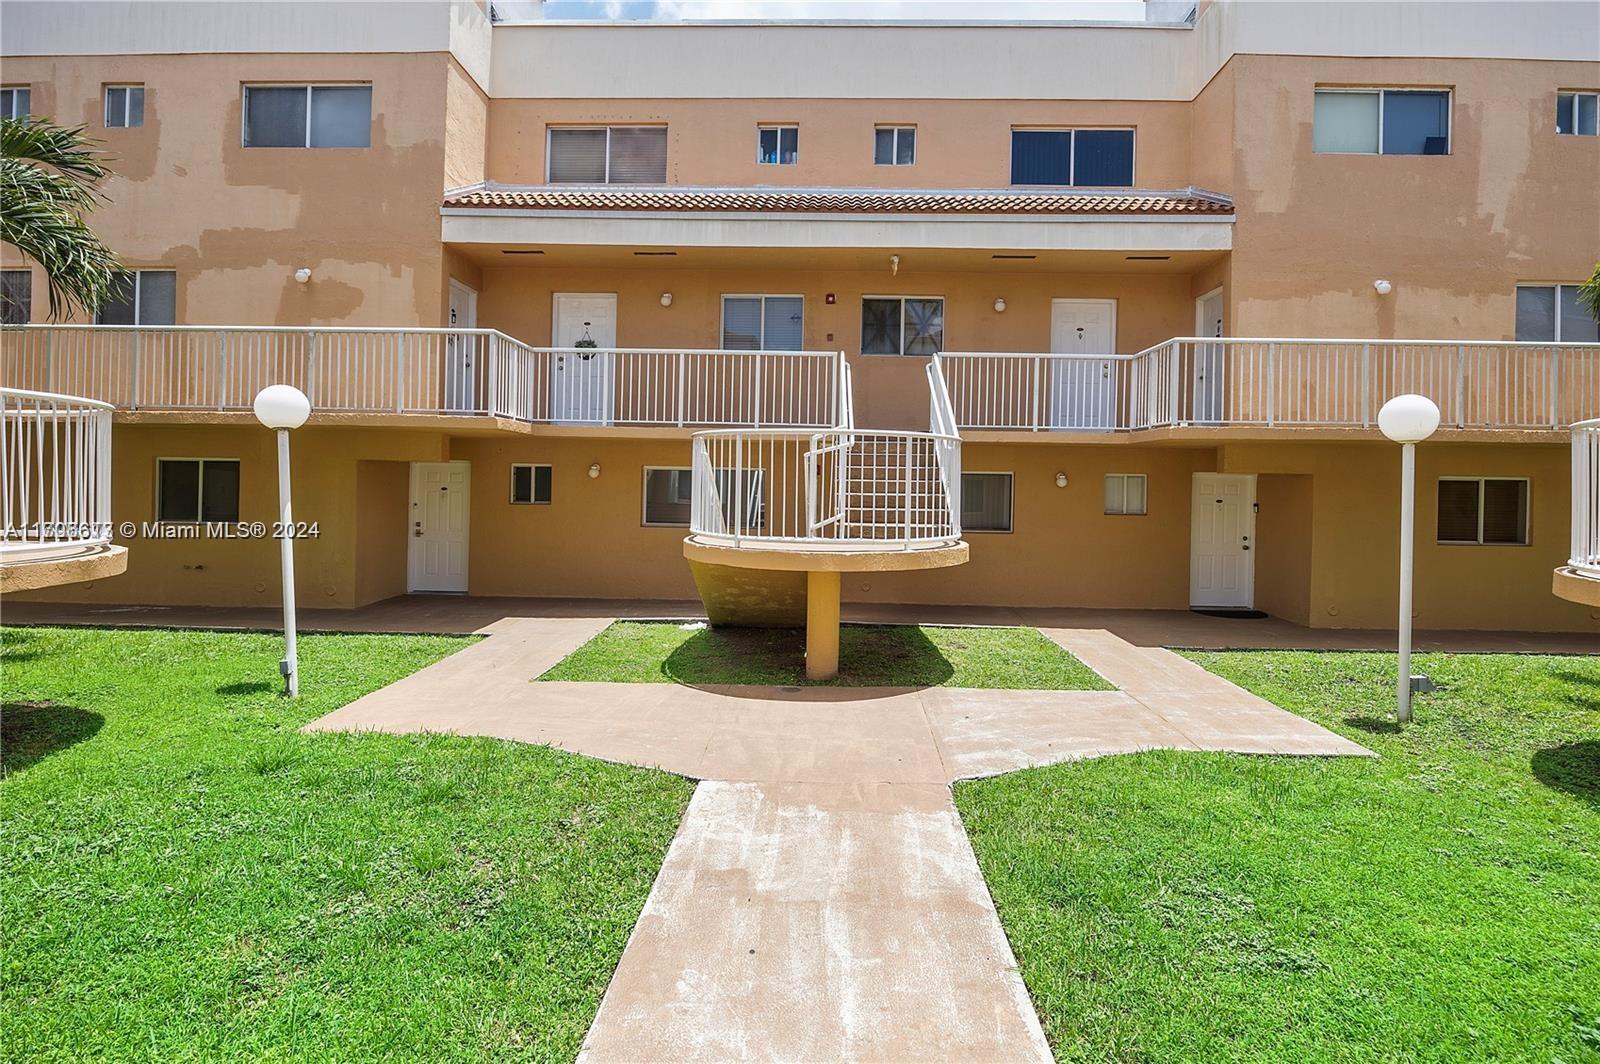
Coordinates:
762	127
1575	93
1527	517
902	352
722	324
1011	502
138	282
1145	493
200	489
644	496
1556	327
244	109
894	153
1449	112
105	100
1072	159
533	483
14	89
550	129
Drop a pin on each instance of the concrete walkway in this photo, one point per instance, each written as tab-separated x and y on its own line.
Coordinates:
821	901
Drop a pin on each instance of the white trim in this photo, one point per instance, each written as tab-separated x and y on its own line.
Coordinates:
778	128
1076	301
1379	91
1555	310
244	109
412	556
944	306
896	128
1011	502
1125	512
644	497
200	489
761	343
1527	514
471	293
1249	526
552	127
1199	308
127	88
533	484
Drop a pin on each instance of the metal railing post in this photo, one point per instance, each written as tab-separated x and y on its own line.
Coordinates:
1366	385
311	366
50	361
1555	387
1174	400
738	487
909	446
683	378
1461	386
1038	396
1272	384
222	372
401	351
138	371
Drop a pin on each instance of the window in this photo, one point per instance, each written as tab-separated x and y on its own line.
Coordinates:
902	325
1087	158
1575	113
667	495
894	145
15	102
986	502
124	106
762	323
778	145
609	155
146	297
197	489
1125	493
307	116
1381	122
16	297
1483	510
1550	313
530	484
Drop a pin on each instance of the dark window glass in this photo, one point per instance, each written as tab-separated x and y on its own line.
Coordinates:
905	147
1564	113
780	145
1505	511
118	309
883	147
530	484
275	117
1041	156
1103	158
638	156
178	490
577	156
158	297
667	495
924	326
1588	114
1416	123
219	491
1536	313
880	326
1458	511
341	116
1577	325
986	502
16	297
541	483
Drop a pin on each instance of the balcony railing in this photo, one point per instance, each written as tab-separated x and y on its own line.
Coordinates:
55	475
1195	381
1586	499
423	371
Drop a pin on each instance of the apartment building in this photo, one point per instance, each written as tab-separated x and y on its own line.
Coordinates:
1069	314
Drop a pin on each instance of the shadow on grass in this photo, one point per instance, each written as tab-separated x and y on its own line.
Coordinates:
32	731
248	687
1375	725
869	656
1571	767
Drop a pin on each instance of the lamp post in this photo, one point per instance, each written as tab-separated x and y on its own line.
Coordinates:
1407	420
282	407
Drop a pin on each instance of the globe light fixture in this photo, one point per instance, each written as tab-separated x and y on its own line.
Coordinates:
303	275
1382	287
1000	306
281	407
1407	420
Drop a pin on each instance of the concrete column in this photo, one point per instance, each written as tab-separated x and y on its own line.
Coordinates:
822	625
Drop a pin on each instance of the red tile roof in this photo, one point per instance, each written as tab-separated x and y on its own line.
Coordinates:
842	200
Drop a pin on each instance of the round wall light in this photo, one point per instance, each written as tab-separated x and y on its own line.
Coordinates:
594	471
1061	480
666	299
1000	306
303	275
1382	287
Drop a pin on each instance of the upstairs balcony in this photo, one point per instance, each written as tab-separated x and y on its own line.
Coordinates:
188	372
1198	383
1579	579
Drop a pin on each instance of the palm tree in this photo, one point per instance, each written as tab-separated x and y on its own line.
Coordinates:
1589	294
49	179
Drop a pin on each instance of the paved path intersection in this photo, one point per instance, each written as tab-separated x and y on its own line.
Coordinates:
821	900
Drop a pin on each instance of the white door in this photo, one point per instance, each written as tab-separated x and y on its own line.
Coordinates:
461	351
1208	358
581	382
441	497
1222	530
1083	391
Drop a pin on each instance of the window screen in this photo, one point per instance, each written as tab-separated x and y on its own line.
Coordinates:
1102	158
15	103
275	116
1416	123
530	484
638	156
894	145
1575	113
902	326
124	106
195	489
667	495
1550	313
1390	121
145	297
986	502
1483	510
578	156
1125	493
1345	122
341	116
1041	156
16	297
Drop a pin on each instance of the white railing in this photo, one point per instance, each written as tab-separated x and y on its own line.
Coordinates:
55	475
1586	498
1196	381
423	371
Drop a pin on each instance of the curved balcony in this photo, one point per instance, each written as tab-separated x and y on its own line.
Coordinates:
55	490
1579	579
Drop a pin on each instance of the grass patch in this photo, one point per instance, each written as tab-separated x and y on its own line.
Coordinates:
1439	903
187	876
869	656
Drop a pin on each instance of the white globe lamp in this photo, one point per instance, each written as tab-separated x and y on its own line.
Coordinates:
1407	420
282	407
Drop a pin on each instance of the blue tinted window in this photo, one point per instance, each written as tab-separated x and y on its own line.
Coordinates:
1041	156
1416	123
1104	157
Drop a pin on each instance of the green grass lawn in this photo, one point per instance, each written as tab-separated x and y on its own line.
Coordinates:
1440	903
869	656
186	876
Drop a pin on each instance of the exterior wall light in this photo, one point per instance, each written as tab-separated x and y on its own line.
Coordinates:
1061	480
1407	420
1382	287
594	471
282	407
1000	306
303	275
666	299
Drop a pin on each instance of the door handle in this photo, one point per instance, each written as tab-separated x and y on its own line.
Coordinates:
417	529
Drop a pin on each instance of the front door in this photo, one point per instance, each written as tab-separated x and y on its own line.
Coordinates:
441	495
1222	530
1083	391
581	380
461	351
1208	358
